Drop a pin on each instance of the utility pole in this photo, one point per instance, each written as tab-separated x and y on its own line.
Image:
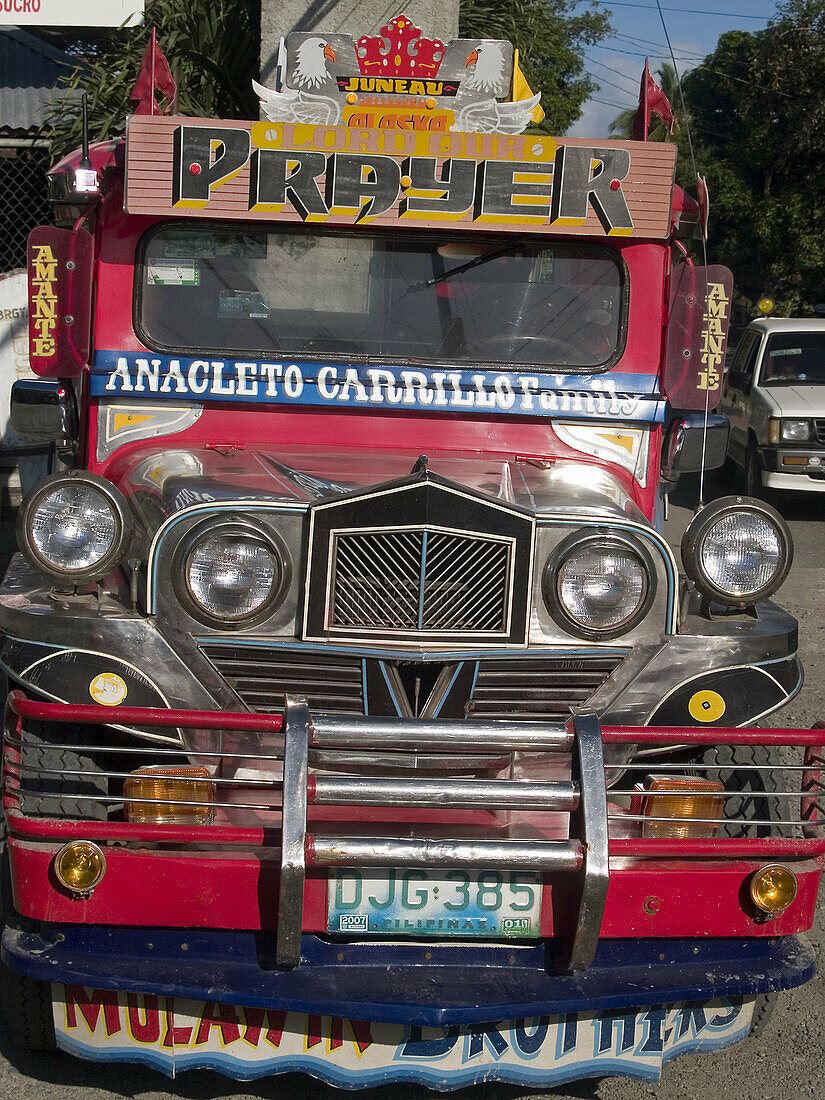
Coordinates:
437	19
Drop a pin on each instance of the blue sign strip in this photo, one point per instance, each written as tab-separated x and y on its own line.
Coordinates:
609	396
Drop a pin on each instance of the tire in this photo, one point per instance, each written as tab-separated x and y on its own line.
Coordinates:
27	1003
762	1012
759	802
60	795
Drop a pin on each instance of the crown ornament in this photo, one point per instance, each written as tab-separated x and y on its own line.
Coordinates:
399	51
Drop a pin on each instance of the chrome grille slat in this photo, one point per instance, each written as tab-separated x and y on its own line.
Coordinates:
536	689
262	677
427	581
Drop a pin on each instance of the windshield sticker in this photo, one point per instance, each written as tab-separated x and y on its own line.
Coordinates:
172	1034
517	393
174	271
243	303
784	351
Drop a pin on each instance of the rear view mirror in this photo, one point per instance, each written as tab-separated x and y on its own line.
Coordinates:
44	411
685	443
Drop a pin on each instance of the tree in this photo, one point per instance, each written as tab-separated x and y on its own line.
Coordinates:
665	76
550	41
213	49
757	107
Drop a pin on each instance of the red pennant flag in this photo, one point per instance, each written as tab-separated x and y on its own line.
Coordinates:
652	100
154	75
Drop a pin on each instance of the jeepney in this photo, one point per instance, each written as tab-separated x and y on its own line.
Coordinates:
362	720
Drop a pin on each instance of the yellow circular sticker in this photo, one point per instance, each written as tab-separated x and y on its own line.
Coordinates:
706	706
765	305
108	689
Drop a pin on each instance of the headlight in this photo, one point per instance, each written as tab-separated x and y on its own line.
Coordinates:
737	550
74	527
796	431
232	573
599	586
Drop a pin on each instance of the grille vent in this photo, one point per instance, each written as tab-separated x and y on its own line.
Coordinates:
262	676
819	428
433	581
536	689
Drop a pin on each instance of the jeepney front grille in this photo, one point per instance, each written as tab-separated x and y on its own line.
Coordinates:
819	430
546	689
262	676
434	581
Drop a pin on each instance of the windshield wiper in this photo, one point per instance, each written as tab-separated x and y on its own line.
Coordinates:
511	246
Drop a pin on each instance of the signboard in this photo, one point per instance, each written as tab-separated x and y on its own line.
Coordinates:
390	176
77	13
171	1034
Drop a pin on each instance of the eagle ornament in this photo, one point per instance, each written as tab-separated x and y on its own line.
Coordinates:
399	80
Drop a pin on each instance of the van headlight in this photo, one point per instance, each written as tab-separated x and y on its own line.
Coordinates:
232	573
74	527
737	550
598	586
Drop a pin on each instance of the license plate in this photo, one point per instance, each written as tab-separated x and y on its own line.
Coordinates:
415	902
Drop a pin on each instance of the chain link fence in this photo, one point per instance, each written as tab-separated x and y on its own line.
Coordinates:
23	202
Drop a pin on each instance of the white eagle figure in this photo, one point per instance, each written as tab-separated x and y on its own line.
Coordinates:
297	104
487	116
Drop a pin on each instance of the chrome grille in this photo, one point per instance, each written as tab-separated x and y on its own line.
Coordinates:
521	689
430	580
262	676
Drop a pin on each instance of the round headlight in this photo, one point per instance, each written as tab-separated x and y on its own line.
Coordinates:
74	527
232	573
600	586
737	550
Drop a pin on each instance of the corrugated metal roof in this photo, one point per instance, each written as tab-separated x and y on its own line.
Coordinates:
29	72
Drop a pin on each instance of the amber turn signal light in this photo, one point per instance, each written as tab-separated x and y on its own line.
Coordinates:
693	807
169	796
773	889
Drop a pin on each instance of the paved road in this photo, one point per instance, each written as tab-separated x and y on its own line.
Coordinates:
786	1064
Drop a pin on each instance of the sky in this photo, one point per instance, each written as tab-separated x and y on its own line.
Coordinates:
693	27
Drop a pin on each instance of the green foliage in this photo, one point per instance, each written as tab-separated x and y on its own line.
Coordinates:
757	107
550	41
212	49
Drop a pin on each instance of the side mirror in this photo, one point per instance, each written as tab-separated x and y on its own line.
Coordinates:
44	411
739	380
685	441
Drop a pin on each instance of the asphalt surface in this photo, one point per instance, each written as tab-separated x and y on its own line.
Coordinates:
785	1063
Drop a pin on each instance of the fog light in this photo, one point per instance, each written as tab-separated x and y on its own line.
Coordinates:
687	800
80	867
169	796
773	889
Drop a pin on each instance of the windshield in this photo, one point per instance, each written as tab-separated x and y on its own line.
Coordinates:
795	357
282	293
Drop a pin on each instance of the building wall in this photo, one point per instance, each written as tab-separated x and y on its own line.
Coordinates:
437	19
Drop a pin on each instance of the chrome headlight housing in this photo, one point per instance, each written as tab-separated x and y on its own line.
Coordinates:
737	550
598	585
74	527
231	573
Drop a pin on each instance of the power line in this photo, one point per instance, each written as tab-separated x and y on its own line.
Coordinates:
689	11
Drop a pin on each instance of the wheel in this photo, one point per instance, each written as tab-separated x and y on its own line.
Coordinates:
54	747
759	801
27	1003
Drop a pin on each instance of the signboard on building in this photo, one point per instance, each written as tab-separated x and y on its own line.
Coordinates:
77	13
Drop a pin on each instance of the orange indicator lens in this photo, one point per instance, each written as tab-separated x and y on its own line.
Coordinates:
169	796
687	799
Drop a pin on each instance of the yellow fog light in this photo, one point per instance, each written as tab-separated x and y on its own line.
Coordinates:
686	801
80	867
773	889
169	796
